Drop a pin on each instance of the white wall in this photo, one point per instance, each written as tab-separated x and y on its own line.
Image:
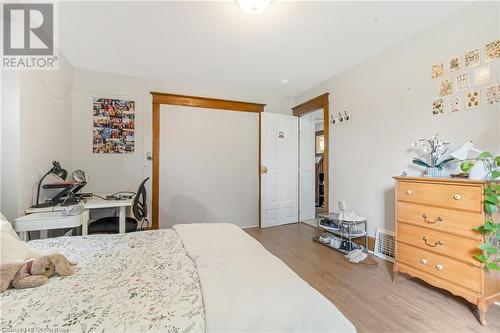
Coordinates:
46	125
124	172
208	166
389	97
37	128
9	176
108	172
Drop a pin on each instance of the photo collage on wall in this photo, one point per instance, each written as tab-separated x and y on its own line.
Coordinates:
464	82
113	126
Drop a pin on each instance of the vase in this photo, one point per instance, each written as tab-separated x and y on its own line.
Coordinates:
433	172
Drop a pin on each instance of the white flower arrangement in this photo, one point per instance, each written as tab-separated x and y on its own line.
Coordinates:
435	148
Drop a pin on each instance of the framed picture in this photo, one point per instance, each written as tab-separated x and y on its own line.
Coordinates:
320	143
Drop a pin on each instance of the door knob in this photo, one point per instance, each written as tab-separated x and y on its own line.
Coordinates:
263	169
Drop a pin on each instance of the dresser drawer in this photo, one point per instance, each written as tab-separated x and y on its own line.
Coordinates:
443	195
452	246
453	221
447	269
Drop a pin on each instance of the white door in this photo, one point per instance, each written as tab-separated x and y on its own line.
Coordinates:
279	170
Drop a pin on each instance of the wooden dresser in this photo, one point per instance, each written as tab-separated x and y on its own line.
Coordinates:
435	241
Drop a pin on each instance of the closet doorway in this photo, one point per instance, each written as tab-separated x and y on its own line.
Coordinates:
313	158
206	160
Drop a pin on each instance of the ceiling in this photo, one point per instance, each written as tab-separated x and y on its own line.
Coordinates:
216	43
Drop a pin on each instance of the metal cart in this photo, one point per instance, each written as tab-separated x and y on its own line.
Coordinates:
347	230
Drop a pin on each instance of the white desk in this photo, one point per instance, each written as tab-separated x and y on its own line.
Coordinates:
49	220
95	203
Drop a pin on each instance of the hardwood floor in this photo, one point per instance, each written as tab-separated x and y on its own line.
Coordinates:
366	295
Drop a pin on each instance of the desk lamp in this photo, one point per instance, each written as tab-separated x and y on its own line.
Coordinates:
57	172
463	152
479	170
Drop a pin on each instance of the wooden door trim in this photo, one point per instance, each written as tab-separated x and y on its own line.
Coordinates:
156	165
316	103
259	169
206	102
192	101
311	105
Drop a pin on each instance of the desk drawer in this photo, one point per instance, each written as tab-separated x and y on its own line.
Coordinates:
447	269
457	222
442	195
452	246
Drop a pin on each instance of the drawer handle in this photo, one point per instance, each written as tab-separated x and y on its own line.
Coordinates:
432	245
457	197
439	267
423	261
438	219
409	192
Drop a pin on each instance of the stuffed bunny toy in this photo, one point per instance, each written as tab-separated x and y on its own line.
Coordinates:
35	272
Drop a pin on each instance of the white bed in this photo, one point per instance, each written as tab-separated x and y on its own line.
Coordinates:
195	278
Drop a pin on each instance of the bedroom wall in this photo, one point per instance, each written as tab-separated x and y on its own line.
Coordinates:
38	129
46	126
110	173
389	97
9	166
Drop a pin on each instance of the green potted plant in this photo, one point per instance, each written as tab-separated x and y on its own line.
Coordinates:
490	255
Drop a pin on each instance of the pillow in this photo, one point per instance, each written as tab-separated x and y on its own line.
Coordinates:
12	248
6	226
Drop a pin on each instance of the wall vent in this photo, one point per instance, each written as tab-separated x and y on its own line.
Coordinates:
385	244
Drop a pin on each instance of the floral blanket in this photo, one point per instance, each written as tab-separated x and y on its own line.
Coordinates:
136	282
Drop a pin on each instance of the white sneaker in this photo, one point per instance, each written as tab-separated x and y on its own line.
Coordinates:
353	253
325	238
360	257
350	216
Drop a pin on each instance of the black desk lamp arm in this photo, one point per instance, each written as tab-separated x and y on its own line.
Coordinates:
40	184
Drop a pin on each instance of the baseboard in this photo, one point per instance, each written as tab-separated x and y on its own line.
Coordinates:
250	226
311	222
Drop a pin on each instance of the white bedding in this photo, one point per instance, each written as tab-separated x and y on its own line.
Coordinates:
146	282
247	289
137	282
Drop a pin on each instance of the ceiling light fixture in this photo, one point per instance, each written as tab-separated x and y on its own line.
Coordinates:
284	81
254	6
